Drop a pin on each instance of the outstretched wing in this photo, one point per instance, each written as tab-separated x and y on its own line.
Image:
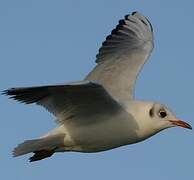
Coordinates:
122	55
81	99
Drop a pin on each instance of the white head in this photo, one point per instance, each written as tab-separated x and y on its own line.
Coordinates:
153	117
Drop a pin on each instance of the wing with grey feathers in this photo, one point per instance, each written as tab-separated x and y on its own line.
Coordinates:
122	55
81	99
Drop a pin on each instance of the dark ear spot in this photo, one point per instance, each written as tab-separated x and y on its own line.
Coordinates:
151	112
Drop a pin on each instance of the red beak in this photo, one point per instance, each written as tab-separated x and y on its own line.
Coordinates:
181	124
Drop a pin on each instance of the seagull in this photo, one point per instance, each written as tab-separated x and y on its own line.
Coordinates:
100	113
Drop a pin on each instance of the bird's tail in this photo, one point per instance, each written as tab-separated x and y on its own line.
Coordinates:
42	148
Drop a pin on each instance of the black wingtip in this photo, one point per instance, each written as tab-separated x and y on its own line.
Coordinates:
134	12
10	91
12	94
5	92
31	159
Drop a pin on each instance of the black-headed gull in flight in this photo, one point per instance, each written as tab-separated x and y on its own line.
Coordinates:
100	113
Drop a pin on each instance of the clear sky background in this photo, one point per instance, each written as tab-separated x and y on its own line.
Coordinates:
47	42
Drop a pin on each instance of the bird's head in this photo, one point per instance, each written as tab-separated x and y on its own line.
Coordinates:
154	117
163	118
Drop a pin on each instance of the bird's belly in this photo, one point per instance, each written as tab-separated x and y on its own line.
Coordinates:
100	136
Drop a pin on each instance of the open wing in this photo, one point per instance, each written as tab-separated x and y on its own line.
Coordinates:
122	55
69	101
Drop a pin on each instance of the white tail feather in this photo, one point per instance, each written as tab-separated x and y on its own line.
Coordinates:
46	143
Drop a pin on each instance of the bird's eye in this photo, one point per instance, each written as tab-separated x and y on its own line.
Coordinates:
162	113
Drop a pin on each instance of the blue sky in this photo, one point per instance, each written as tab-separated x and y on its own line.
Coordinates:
48	42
